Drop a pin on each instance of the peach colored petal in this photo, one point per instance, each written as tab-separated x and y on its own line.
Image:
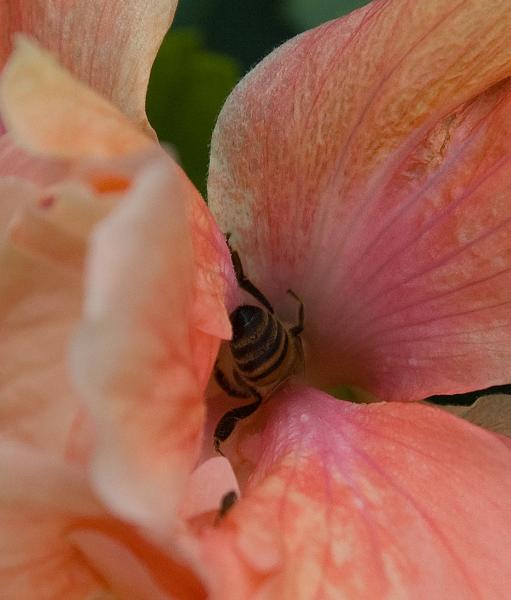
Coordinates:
368	501
41	257
39	497
374	159
36	561
57	541
56	223
134	569
49	112
14	195
109	45
39	306
140	359
33	481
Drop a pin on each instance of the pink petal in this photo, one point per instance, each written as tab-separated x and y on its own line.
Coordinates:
374	159
110	46
206	487
367	501
144	352
50	112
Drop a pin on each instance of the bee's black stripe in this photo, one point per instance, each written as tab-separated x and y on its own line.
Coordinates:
239	352
265	353
273	366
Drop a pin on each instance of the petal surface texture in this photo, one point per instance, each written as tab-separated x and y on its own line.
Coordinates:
374	159
367	501
87	38
144	353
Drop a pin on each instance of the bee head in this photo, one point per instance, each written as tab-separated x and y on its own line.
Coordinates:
246	320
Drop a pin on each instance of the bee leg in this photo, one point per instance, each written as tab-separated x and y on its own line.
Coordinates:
243	281
229	421
298	328
228	501
226	385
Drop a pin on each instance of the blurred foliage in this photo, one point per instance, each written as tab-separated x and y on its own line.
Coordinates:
187	89
309	13
247	30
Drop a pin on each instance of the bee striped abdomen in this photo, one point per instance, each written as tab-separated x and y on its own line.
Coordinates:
261	347
264	353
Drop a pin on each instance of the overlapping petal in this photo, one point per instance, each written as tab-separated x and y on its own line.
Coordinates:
40	497
366	501
140	359
48	111
374	159
109	45
154	298
58	541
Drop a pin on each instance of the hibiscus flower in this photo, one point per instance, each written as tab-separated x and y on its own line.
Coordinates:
364	166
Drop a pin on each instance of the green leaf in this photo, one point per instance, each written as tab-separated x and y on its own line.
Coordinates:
187	89
309	13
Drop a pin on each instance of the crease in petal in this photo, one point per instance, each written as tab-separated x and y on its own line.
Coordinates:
366	501
374	161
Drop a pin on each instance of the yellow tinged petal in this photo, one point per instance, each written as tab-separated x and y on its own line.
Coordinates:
48	111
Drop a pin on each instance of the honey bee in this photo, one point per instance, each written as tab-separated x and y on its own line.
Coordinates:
265	353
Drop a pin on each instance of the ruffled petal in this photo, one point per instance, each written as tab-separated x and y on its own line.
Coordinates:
50	112
144	352
366	501
42	252
374	159
58	542
39	498
87	38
